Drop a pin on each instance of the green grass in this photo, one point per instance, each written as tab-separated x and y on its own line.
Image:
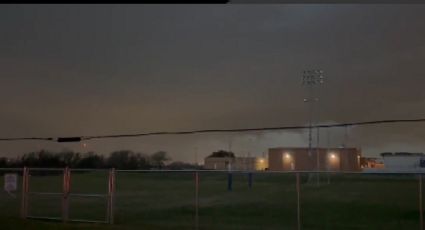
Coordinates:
163	201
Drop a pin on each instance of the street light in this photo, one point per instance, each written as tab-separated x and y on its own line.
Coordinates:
287	156
333	161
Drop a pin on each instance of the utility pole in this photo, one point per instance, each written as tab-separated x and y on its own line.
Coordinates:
312	78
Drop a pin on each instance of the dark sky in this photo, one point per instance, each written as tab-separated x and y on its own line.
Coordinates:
105	69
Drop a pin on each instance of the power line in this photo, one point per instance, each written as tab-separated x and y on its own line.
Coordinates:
79	138
27	138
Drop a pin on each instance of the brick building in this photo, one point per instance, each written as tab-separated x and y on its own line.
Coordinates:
320	159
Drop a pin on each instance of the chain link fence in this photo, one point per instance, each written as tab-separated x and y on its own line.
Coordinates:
202	199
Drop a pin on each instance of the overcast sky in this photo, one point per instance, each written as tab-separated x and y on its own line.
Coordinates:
108	69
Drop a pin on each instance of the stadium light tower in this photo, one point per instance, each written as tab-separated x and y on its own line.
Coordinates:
312	78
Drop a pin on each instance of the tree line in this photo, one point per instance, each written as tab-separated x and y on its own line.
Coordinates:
122	159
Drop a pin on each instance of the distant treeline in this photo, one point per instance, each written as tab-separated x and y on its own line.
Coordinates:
123	159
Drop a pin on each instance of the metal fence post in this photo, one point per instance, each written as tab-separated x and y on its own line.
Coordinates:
23	194
25	189
108	200
298	201
196	200
111	193
66	190
421	216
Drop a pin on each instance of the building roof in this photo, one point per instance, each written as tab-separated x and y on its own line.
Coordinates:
332	148
401	154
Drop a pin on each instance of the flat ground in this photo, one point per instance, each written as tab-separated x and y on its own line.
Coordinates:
163	201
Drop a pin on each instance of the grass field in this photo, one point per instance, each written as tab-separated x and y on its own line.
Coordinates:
163	201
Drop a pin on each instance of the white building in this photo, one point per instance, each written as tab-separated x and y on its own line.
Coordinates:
404	162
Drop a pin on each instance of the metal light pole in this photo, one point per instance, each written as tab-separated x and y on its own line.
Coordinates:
312	78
